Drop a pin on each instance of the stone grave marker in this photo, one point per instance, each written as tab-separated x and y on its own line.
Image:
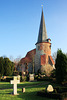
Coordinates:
18	77
31	77
50	88
15	82
23	90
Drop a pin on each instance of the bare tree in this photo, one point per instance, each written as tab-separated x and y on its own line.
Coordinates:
11	58
66	54
17	59
32	57
54	56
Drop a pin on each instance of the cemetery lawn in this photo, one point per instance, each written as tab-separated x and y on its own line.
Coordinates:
31	89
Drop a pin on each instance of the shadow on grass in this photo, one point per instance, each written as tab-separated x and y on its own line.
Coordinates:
31	94
31	91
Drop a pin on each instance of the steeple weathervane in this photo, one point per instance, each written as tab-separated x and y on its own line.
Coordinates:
42	6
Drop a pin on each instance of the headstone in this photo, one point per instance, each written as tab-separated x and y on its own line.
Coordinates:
50	88
23	90
31	77
18	77
15	82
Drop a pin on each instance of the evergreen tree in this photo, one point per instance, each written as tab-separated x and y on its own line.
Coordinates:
8	67
1	66
12	67
61	66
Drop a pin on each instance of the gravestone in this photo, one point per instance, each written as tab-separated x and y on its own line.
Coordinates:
31	77
15	82
50	88
18	77
23	90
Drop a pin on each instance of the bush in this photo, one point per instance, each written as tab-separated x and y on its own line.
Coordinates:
49	95
39	71
53	95
64	83
36	76
53	73
61	90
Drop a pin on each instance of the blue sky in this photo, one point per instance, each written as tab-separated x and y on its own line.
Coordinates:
19	25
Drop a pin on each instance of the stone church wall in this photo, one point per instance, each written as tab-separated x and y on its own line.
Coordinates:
47	68
30	68
41	49
38	58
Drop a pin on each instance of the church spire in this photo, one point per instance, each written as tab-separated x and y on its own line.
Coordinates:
42	37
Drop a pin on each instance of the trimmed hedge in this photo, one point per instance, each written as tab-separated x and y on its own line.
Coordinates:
58	93
49	95
61	90
64	83
59	96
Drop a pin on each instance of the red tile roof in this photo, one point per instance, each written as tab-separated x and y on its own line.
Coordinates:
52	60
29	56
44	59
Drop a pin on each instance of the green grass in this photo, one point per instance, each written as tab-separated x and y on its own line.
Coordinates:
30	94
5	85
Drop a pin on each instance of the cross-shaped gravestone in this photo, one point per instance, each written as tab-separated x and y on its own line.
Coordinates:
15	82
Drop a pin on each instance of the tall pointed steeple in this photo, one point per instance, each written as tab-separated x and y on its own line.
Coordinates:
42	37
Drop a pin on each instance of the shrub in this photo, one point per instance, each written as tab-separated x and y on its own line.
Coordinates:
36	76
53	95
39	71
61	67
53	73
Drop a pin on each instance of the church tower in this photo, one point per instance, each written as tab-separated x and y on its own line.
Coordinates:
39	58
43	59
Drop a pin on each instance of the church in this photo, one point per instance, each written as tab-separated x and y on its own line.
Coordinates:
38	59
